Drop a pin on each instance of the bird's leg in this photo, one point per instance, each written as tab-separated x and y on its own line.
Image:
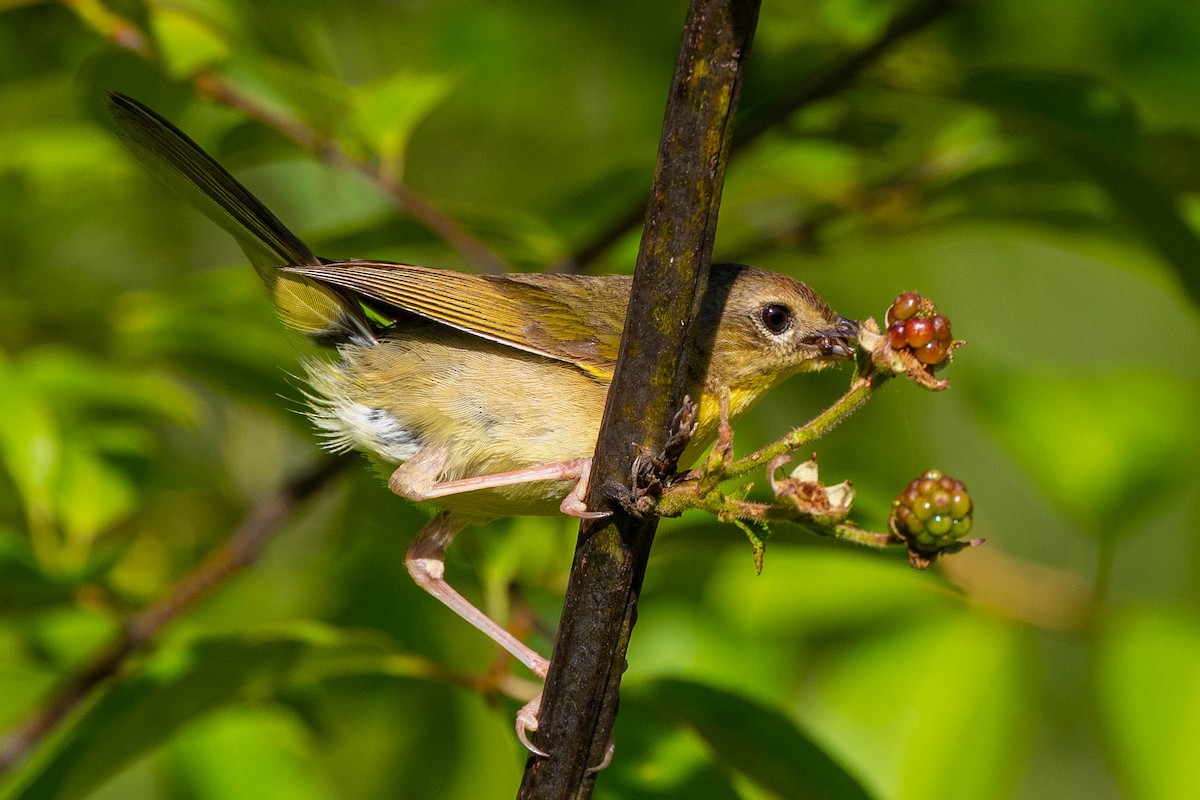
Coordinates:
425	561
416	480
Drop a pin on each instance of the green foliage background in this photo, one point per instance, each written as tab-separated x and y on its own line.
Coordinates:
1033	167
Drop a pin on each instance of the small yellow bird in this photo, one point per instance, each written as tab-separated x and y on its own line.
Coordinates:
486	391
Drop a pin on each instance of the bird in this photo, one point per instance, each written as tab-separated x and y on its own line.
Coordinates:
483	394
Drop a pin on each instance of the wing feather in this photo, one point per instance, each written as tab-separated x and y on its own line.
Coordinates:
570	318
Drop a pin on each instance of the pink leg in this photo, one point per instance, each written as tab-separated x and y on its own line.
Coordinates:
425	560
416	480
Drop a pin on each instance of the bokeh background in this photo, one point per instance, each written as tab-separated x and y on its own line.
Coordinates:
1033	167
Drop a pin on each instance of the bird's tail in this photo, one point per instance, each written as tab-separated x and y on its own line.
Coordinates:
170	154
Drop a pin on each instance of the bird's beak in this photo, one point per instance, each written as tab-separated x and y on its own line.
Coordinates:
836	343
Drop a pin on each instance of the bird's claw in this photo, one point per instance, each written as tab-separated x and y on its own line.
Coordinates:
527	723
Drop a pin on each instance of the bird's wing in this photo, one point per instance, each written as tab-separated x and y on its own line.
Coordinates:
573	319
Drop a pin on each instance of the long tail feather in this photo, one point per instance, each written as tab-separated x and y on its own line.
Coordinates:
183	165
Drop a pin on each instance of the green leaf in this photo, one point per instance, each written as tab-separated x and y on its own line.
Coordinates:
187	43
758	543
208	760
24	586
1095	127
1059	104
938	709
760	742
386	112
174	688
31	447
1106	447
78	382
92	495
811	591
1148	693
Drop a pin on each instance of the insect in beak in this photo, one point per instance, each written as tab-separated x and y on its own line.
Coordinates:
837	343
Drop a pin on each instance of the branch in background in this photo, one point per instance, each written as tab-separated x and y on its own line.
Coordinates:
823	83
217	88
240	550
126	35
580	701
881	201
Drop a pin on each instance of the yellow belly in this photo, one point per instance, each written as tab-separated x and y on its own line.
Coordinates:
490	408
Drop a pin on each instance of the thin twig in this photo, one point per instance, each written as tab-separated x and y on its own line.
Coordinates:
125	34
825	82
240	550
215	87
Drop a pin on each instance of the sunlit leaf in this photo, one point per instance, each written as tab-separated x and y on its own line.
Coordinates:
92	496
1105	446
901	708
209	758
31	446
188	44
386	112
1148	692
812	591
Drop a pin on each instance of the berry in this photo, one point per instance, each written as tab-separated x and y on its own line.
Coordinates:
918	332
932	353
915	325
932	512
904	307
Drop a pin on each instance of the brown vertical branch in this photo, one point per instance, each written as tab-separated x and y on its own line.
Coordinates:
825	82
580	700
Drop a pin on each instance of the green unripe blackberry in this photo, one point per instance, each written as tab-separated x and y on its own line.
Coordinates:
932	512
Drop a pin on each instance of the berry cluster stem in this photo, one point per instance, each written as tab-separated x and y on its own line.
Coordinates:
861	389
700	490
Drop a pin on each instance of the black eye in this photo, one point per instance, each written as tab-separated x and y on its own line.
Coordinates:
775	317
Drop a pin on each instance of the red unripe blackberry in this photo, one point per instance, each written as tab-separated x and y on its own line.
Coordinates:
904	307
915	325
918	332
932	353
932	512
941	328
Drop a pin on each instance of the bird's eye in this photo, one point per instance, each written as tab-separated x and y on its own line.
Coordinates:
775	317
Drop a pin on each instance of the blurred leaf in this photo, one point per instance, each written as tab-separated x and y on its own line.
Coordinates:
173	688
1092	125
939	709
78	382
810	591
1104	446
91	497
386	112
759	742
24	586
662	760
1058	103
218	327
1175	155
1148	693
207	761
187	43
31	446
